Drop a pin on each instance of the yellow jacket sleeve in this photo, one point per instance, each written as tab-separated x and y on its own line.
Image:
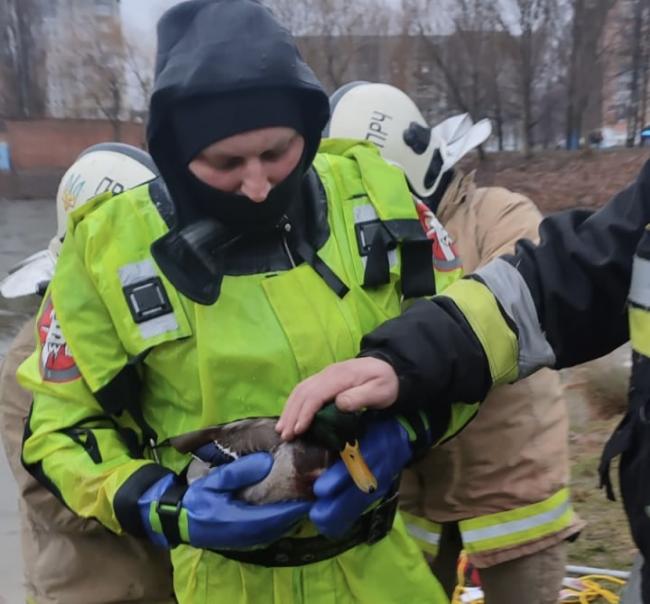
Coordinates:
72	445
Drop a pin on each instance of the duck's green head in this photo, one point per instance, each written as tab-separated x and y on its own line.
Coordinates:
340	431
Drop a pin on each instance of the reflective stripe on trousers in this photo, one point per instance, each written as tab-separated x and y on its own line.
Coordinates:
424	532
502	529
518	526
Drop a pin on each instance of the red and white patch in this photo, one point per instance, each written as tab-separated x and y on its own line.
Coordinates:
445	254
57	363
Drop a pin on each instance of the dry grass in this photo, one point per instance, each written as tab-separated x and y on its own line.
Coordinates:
605	542
556	180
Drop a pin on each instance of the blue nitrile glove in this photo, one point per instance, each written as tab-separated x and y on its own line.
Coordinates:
339	503
211	516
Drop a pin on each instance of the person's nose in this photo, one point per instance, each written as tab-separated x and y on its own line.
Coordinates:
255	183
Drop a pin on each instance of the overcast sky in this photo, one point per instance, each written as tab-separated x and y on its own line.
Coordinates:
141	15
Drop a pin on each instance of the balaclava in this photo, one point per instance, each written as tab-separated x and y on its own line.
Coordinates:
223	67
201	121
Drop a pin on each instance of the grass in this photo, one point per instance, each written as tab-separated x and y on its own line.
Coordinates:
605	542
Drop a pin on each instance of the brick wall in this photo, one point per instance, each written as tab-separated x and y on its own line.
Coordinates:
47	144
41	150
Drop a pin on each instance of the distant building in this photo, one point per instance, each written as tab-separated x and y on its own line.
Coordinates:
393	59
60	58
84	60
415	64
22	53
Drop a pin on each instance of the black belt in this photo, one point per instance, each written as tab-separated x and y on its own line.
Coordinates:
370	528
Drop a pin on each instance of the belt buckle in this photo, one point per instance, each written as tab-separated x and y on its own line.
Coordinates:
381	519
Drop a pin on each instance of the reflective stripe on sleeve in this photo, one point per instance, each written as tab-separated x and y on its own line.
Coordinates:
639	319
639	306
367	213
480	309
138	272
640	286
510	289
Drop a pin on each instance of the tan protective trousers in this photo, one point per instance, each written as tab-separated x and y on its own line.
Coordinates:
533	579
69	560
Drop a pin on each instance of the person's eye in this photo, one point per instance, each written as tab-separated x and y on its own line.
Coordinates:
278	152
274	154
227	163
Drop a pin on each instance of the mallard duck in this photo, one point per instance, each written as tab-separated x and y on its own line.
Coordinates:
297	464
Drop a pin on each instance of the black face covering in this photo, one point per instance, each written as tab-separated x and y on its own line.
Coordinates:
238	211
192	255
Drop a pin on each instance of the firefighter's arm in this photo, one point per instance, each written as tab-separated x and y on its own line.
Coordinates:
552	305
88	458
556	304
579	276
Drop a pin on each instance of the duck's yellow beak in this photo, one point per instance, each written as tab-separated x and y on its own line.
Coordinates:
358	468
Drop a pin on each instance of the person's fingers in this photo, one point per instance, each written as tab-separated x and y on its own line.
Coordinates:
376	394
311	405
311	394
335	382
307	398
292	408
354	386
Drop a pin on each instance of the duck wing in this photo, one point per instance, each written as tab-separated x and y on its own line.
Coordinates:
296	464
234	438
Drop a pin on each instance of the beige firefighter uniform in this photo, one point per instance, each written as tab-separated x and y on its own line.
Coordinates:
68	559
504	478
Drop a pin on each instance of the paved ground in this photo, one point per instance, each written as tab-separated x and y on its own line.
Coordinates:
25	227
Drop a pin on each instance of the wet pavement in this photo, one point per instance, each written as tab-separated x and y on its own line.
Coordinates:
25	227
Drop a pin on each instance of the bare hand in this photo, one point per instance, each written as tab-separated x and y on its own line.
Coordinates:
355	384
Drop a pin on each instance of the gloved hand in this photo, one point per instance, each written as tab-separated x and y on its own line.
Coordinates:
211	517
339	503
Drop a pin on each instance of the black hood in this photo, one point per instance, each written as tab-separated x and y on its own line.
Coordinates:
216	48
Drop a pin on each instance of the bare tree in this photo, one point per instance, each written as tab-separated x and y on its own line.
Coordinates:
90	73
638	69
422	19
139	57
471	56
333	34
588	21
531	24
627	66
645	66
22	81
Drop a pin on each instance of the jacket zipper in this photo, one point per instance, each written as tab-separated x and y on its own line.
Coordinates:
286	228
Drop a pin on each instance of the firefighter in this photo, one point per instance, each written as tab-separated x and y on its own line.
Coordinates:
508	470
67	559
580	293
277	261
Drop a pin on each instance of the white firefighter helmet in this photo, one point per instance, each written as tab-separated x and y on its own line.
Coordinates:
386	116
113	167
